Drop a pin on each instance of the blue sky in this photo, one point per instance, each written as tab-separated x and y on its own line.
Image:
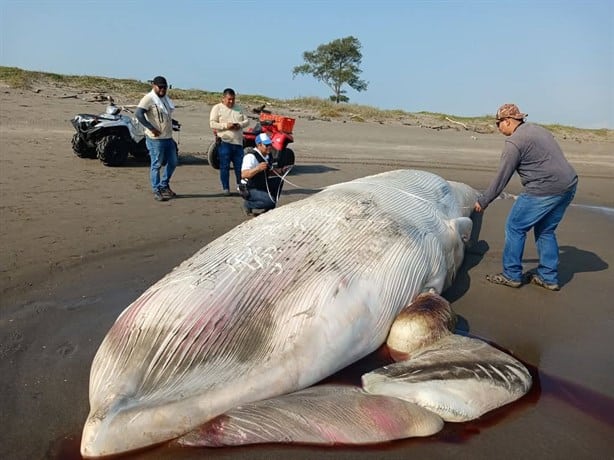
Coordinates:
555	59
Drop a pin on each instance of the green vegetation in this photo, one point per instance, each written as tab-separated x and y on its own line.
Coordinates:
442	117
562	130
322	108
25	79
335	64
328	109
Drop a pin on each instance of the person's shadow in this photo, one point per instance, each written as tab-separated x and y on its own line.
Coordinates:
573	260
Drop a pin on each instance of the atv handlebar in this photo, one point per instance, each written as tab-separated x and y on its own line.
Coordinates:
260	109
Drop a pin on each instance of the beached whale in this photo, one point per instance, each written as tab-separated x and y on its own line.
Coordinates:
275	305
440	377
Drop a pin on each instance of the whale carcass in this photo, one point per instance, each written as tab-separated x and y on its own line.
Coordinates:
276	305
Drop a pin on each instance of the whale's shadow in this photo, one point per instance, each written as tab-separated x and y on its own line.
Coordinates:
474	253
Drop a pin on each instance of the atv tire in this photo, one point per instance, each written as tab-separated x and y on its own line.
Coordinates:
139	151
213	155
80	147
112	150
285	158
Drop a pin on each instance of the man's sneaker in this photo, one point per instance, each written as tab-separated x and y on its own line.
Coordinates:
226	192
500	278
158	196
535	279
167	193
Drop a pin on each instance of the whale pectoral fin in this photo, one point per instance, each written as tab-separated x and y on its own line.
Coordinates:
463	226
459	378
323	414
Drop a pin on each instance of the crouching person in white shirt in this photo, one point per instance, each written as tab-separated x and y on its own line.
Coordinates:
260	184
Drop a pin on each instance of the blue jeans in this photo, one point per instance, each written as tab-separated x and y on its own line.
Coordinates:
161	151
259	199
543	214
227	153
263	199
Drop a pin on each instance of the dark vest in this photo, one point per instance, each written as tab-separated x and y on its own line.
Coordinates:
260	179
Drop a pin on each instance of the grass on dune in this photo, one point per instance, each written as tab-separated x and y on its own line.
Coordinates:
26	79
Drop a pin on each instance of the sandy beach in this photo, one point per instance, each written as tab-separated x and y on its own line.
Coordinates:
80	241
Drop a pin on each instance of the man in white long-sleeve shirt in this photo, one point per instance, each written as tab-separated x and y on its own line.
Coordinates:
228	121
155	113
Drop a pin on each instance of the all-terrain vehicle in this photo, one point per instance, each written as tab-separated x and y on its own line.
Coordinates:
279	129
110	136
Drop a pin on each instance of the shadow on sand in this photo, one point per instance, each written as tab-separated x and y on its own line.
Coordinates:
573	260
476	249
311	169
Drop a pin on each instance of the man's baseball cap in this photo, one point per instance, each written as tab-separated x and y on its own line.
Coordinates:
510	111
159	81
263	139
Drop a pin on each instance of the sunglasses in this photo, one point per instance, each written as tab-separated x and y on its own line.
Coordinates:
498	122
162	86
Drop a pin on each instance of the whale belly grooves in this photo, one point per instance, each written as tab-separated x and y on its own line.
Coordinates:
275	305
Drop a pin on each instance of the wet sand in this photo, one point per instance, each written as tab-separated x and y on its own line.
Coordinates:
80	241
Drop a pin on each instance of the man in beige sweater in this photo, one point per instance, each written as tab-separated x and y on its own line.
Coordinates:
228	121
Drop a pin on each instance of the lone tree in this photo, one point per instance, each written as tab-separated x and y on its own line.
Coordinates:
335	64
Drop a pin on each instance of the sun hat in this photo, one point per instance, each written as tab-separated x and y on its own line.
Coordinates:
263	139
510	111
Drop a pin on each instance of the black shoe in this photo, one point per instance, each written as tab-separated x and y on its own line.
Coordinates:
158	196
247	211
167	193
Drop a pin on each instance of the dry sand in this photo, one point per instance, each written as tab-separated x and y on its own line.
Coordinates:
80	241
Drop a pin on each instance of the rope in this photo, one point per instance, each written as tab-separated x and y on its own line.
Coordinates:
283	178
